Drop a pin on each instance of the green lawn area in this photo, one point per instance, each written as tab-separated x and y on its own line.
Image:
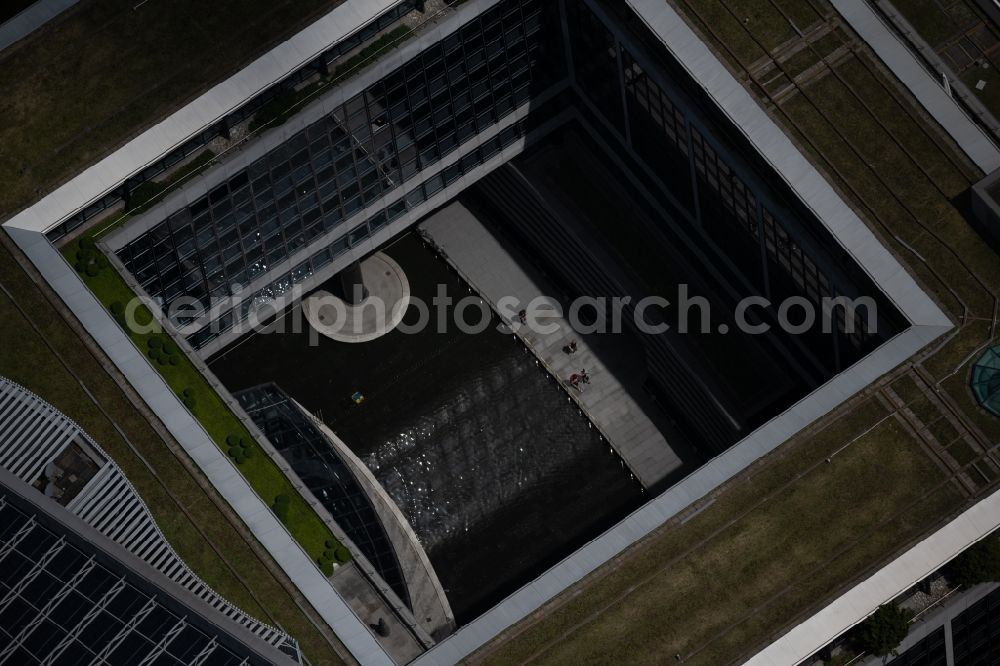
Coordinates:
990	94
774	544
219	421
193	518
928	18
787	537
129	68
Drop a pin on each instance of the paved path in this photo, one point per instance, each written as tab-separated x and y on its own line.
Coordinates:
495	273
358	592
192	437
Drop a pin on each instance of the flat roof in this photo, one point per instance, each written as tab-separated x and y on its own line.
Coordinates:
927	320
889	582
186	608
194	117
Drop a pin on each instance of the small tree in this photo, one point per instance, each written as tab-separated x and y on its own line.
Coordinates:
884	630
979	563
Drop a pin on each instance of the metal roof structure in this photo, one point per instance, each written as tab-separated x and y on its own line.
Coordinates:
69	596
927	321
37	442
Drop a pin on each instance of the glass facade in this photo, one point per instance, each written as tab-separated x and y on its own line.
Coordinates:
309	71
64	602
319	466
928	652
975	638
326	175
975	633
702	176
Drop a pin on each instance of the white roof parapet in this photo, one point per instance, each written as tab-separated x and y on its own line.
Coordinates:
929	322
30	19
193	118
896	577
975	142
220	471
736	102
33	434
927	319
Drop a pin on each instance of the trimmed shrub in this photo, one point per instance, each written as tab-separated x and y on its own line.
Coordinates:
188	392
143	316
326	566
174	360
233	451
341	554
231	440
168	346
118	312
240	457
190	403
328	554
280	507
155	342
329	543
89	260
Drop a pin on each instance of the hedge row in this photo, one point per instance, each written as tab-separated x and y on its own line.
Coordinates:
89	260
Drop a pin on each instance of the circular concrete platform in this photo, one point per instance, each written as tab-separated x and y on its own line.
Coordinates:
380	312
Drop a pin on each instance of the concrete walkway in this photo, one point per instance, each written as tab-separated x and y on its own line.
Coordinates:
972	139
884	585
220	471
495	273
31	19
359	594
431	609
